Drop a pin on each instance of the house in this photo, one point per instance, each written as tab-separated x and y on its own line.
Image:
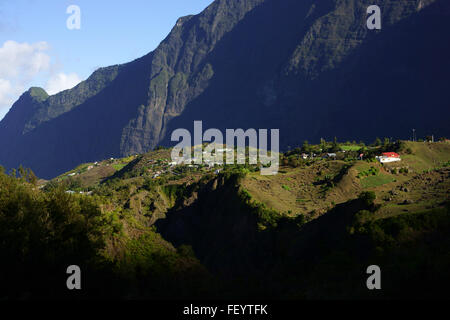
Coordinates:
389	157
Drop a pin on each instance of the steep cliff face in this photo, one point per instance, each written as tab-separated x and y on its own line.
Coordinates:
178	71
314	70
310	68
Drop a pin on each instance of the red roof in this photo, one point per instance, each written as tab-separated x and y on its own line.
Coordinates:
391	154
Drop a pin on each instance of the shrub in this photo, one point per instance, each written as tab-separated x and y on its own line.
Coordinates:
246	196
372	171
368	197
404	170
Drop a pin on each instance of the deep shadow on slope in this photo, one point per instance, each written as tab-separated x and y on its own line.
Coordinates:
325	258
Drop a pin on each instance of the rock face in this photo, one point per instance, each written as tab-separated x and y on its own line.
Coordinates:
310	68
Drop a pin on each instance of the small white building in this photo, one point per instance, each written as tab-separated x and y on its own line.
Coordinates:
387	157
224	150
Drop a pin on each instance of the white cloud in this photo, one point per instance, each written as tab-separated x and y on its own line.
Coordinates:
23	60
5	89
5	96
21	64
61	81
8	94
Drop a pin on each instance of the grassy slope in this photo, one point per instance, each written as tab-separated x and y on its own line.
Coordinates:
426	156
304	196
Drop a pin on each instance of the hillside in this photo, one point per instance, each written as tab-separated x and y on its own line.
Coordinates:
310	69
144	228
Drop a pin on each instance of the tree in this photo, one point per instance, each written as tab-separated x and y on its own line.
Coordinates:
335	145
306	147
377	142
323	144
31	177
368	197
22	172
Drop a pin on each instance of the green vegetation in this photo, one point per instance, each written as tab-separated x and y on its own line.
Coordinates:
372	171
47	231
119	166
153	230
350	147
375	181
368	197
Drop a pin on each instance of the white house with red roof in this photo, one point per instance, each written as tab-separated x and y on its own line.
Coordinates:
389	157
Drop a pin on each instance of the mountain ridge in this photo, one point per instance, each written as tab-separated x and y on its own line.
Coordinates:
252	63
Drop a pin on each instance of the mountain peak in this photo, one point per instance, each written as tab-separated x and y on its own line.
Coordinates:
38	93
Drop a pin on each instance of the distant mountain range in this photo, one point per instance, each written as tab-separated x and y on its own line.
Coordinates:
310	68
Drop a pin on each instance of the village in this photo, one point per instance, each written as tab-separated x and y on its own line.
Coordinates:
159	164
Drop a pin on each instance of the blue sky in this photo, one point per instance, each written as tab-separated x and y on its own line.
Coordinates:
37	48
